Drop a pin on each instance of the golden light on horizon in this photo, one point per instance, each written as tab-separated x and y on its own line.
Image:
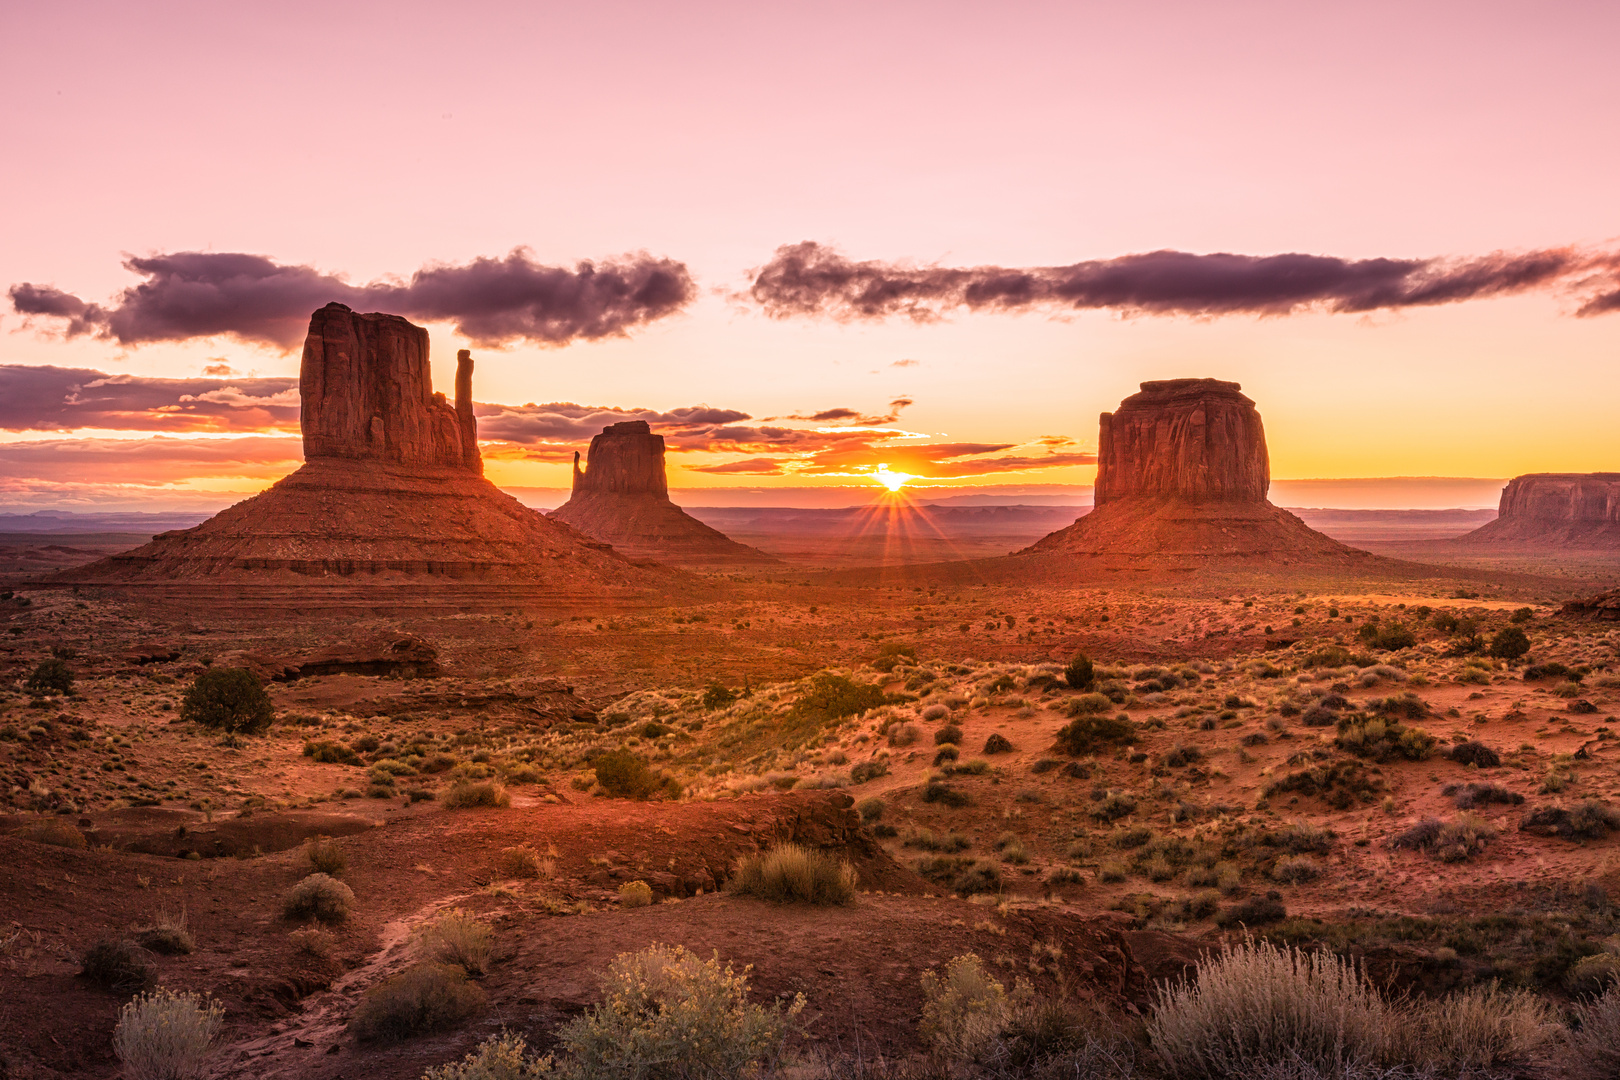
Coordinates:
890	479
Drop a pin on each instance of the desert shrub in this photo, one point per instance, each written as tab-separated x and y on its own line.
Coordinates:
49	677
1594	1044
961	875
1080	672
464	794
831	697
52	831
1449	841
902	735
499	1057
935	712
997	744
1473	795
624	775
519	861
325	856
794	873
867	771
331	752
1481	1027
1509	643
1294	869
666	1015
1407	706
1593	974
166	933
936	791
1376	738
1301	837
319	897
928	840
1181	755
1255	911
456	937
1327	656
1341	783
1318	716
1387	636
117	965
965	1010
166	1035
313	942
1086	734
871	809
232	700
946	752
635	894
1088	704
1591	819
717	696
1474	752
1550	670
420	999
1256	1005
1113	806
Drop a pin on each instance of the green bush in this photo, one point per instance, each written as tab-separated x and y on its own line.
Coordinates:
1509	643
831	697
329	752
717	696
965	1010
232	700
421	999
318	896
499	1057
50	677
1080	672
794	873
624	775
635	894
1086	734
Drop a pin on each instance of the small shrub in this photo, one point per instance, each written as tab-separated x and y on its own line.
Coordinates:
232	700
421	999
717	696
1086	734
624	775
935	712
1114	805
1594	1043
1509	643
794	873
945	753
997	744
1088	704
1474	753
458	938
465	794
325	856
166	1035
166	933
1481	1027
319	897
937	792
313	942
1483	794
666	1015
330	752
1449	841
867	771
519	861
871	809
54	832
121	966
901	735
635	894
1255	911
1080	672
50	677
831	697
1591	819
499	1057
948	733
1294	869
965	1010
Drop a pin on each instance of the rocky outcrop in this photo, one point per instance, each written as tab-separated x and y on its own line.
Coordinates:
391	488
1557	510
367	394
621	498
1604	606
1195	439
1182	473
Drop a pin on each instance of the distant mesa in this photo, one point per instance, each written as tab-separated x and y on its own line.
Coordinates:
1572	510
621	497
1182	470
392	484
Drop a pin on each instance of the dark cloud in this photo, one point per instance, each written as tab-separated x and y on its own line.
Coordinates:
61	399
193	294
746	467
563	421
854	417
808	279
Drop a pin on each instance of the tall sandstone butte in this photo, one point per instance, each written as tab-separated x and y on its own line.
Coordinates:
621	497
1182	470
1556	510
392	485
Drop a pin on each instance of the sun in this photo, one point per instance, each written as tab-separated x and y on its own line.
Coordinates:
890	479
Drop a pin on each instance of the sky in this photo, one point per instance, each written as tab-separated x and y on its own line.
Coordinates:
821	238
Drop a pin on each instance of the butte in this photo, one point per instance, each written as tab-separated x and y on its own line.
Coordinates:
1182	476
1563	510
391	490
621	498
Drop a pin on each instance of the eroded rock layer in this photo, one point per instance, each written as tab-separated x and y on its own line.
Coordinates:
1556	509
1182	472
621	498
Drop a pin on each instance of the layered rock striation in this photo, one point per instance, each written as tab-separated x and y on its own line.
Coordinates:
392	485
621	498
1556	510
1182	471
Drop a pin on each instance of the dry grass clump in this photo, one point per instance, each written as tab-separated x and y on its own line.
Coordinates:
325	856
166	933
422	999
458	938
52	831
1594	1045
522	861
1456	840
117	965
1482	1027
465	794
965	1010
794	873
166	1035
635	894
318	897
313	942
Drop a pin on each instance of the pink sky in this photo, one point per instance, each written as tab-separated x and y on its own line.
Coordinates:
370	140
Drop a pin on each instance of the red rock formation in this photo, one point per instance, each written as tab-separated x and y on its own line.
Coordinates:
1556	509
1604	605
621	497
367	394
1182	471
391	486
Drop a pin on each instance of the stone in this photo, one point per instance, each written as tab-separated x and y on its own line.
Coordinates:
367	394
1556	510
1182	473
1605	606
621	498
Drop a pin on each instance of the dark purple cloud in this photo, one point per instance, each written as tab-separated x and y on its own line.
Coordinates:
808	279
61	399
192	294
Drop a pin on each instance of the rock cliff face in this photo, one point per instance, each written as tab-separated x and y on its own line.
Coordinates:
621	497
1198	439
1556	509
367	394
1182	473
391	488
